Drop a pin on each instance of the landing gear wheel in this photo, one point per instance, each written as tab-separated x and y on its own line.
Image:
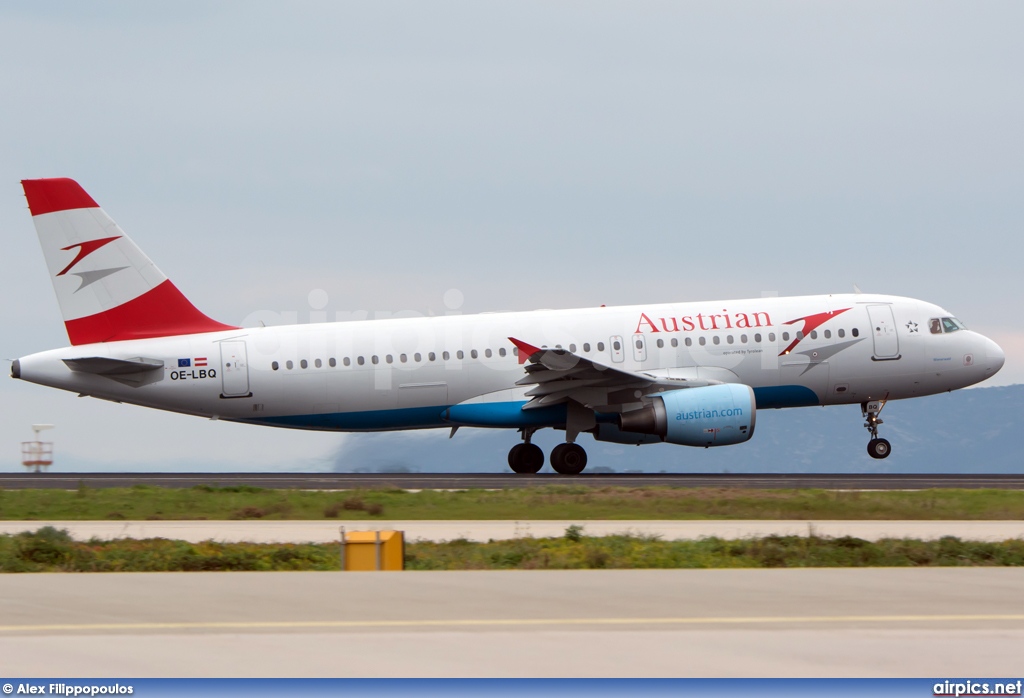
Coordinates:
568	459
526	458
877	448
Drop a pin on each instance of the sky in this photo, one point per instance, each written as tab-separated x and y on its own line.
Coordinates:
289	162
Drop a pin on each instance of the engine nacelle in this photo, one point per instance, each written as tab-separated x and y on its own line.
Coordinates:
716	415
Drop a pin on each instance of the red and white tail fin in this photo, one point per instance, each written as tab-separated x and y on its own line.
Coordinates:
108	289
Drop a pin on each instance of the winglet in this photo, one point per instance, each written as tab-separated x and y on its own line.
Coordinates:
525	350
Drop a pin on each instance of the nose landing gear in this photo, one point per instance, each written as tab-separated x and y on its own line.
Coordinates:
877	447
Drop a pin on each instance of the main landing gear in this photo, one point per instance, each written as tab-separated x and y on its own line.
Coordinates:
877	448
527	458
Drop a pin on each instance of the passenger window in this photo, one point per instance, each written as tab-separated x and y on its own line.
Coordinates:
403	358
600	346
487	353
617	346
374	359
332	362
639	344
417	357
716	339
729	339
814	334
675	342
572	348
689	342
318	363
785	336
841	333
586	347
855	332
473	353
388	358
799	335
515	351
743	338
757	338
304	363
702	341
360	360
771	336
460	354
274	365
445	356
432	356
501	351
828	334
347	361
661	344
289	365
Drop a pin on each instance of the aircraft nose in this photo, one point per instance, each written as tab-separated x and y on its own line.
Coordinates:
995	355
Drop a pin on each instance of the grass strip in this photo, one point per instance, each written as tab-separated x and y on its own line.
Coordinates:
52	550
578	503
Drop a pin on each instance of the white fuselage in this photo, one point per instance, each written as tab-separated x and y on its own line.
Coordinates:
462	369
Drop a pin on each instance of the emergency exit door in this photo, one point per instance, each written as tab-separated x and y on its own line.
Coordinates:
234	370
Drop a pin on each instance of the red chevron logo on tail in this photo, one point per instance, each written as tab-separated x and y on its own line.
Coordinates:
84	250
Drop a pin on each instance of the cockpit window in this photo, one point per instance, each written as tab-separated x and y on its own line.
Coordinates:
945	324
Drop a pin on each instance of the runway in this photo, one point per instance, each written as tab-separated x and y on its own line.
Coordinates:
450	481
321	531
656	623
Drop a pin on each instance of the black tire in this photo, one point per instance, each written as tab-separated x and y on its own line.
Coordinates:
568	459
879	448
514	457
526	458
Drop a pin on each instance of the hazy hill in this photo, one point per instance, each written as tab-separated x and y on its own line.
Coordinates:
961	432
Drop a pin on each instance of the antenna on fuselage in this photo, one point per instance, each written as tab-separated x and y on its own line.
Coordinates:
856	289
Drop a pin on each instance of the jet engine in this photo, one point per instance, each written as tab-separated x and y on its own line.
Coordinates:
716	415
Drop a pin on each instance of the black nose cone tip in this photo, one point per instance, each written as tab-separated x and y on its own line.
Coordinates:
15	369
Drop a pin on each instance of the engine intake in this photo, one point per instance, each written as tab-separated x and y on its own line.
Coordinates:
716	415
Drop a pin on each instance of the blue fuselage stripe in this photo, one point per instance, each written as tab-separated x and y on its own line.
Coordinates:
499	415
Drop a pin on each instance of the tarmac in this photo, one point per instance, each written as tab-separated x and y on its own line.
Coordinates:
938	622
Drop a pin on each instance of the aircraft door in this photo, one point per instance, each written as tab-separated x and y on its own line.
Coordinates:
234	370
615	345
639	348
883	330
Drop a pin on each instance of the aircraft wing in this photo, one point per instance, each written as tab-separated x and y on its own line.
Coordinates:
560	375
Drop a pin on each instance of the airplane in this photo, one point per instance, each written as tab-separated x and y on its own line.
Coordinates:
690	373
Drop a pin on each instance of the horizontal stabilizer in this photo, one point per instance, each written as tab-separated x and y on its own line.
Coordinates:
135	372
